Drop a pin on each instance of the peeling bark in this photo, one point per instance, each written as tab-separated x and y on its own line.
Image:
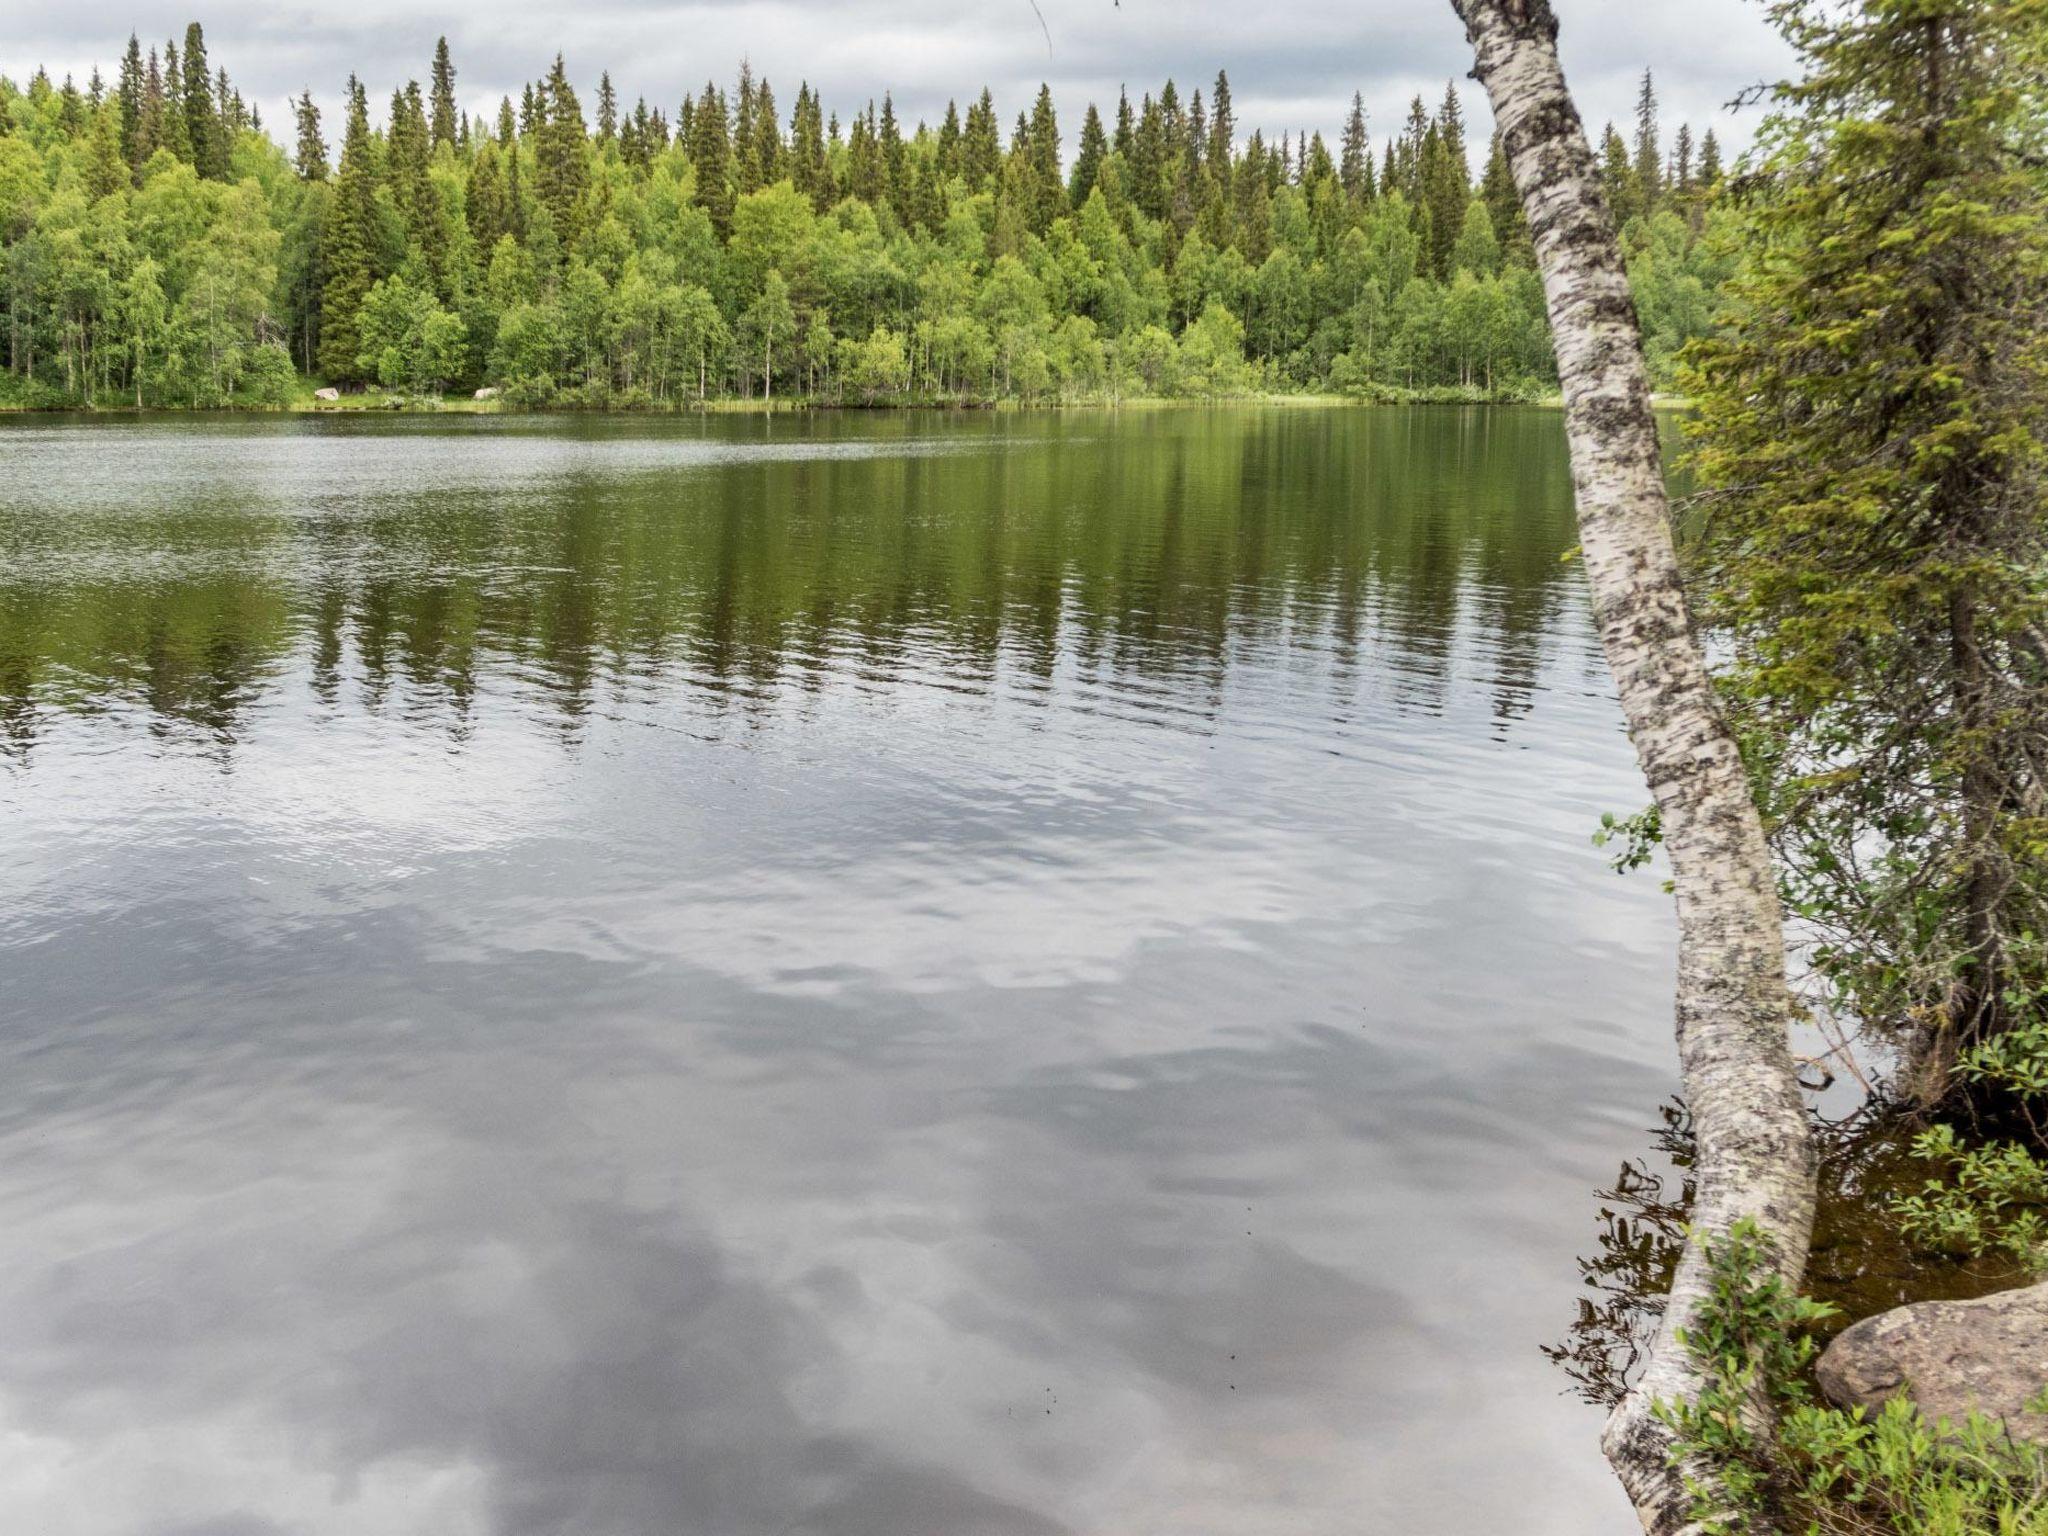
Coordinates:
1733	1005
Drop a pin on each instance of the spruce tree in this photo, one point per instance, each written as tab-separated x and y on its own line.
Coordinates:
1044	150
129	95
407	152
1446	181
561	157
1094	148
1681	160
348	245
1355	168
1710	161
1872	422
1222	123
866	177
949	141
149	129
765	153
1618	177
1504	207
711	155
176	137
484	202
311	156
607	110
446	116
206	143
981	149
1649	161
809	168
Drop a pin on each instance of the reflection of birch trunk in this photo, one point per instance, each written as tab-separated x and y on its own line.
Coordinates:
1733	1006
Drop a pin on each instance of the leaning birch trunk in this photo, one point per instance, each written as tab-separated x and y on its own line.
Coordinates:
1755	1157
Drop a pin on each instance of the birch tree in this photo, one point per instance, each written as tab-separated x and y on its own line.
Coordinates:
1755	1161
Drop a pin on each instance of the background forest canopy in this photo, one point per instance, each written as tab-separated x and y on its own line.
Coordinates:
161	249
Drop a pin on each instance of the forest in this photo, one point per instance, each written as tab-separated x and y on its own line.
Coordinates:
160	249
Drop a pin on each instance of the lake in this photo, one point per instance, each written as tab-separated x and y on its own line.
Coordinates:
881	975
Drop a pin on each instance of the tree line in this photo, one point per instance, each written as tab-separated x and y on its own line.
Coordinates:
160	248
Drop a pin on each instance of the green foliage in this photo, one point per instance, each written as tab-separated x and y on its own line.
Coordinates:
1993	1196
1991	1201
1639	836
1874	516
571	263
1780	1460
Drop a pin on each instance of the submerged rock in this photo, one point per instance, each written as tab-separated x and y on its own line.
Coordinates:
1948	1357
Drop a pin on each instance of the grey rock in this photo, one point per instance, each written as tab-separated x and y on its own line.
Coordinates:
1948	1357
326	394
485	394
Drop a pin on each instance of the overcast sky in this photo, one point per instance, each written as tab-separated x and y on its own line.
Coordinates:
1292	65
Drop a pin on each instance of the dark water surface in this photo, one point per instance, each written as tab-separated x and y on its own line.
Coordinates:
896	976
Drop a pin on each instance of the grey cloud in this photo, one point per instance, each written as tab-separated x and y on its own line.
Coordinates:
1291	69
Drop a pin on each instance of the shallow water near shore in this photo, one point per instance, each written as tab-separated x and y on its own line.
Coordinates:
975	975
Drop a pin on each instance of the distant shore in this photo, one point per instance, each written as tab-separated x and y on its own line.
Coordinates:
374	403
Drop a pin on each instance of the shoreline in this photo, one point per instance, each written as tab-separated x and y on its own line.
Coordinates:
368	405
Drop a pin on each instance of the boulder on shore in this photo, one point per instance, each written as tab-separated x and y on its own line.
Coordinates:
327	394
485	394
1949	1357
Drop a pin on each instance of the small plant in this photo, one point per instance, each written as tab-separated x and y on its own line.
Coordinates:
1784	1461
1638	835
1990	1203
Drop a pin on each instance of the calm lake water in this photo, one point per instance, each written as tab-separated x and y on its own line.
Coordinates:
872	976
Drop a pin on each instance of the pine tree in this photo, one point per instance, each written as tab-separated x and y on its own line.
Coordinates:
607	110
446	115
312	149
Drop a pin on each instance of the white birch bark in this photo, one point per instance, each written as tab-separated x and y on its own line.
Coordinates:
1755	1157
